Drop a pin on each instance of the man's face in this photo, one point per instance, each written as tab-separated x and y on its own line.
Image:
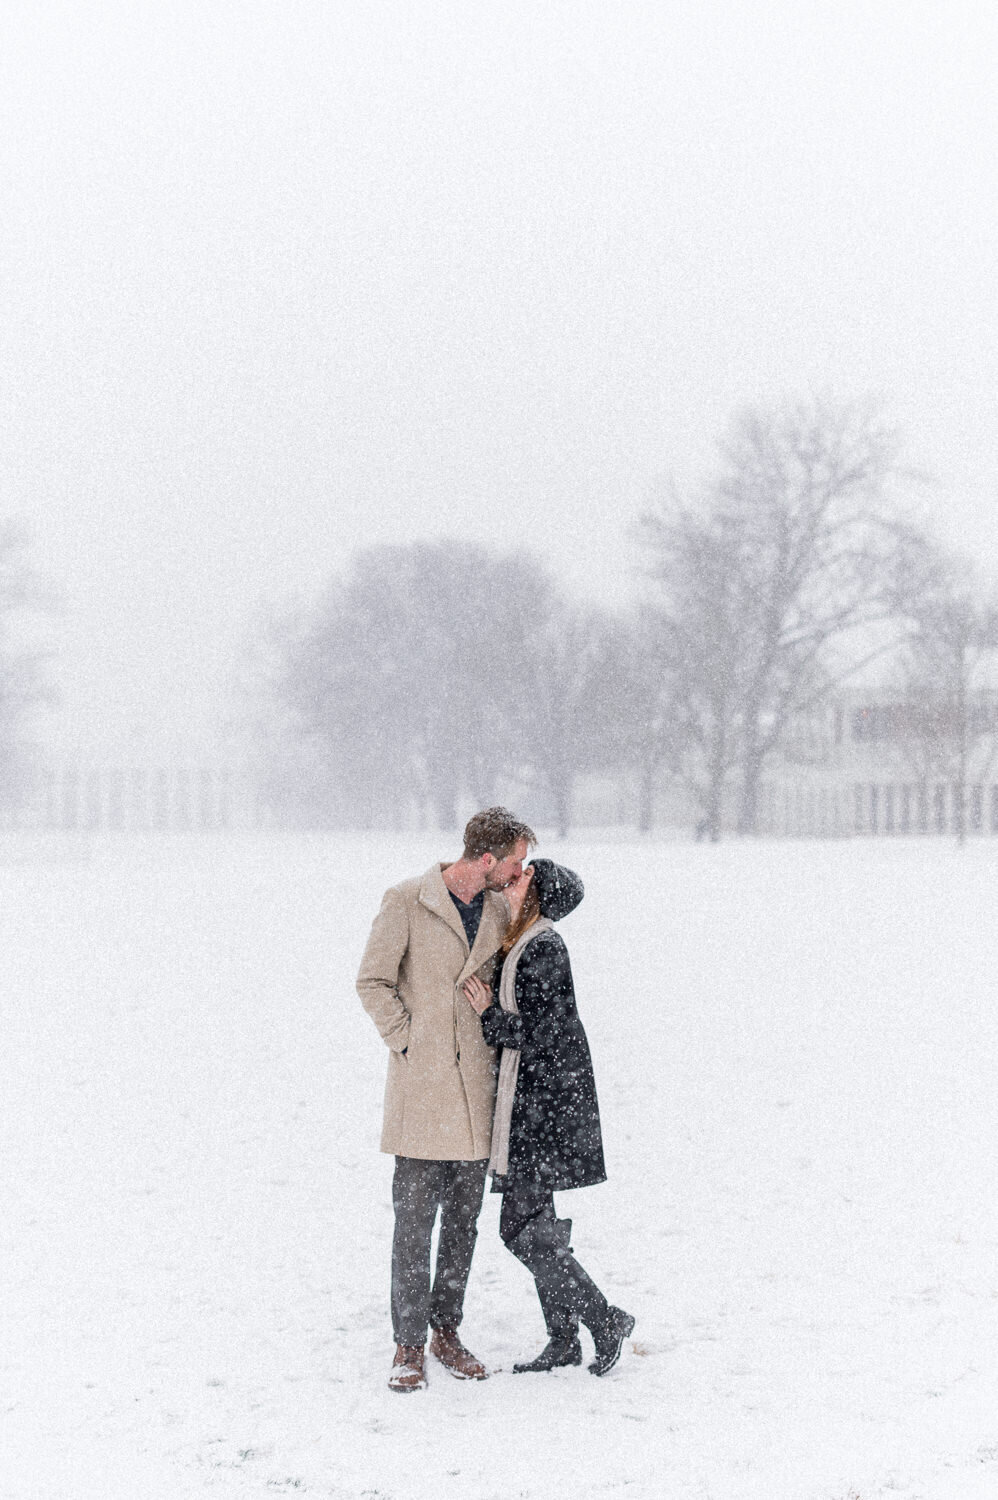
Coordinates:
502	872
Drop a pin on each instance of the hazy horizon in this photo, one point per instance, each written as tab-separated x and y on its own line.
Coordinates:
284	281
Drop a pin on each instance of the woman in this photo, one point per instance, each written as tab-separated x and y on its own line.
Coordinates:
546	1136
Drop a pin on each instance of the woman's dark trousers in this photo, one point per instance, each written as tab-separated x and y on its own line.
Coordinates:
419	1189
529	1229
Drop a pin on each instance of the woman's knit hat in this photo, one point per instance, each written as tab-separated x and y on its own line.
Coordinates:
559	889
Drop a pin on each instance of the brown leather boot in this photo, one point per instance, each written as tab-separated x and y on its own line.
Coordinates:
447	1347
407	1369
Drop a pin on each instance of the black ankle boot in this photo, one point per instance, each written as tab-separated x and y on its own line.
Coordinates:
561	1349
609	1339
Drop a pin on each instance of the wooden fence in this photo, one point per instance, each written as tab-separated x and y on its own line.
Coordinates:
876	809
209	799
155	799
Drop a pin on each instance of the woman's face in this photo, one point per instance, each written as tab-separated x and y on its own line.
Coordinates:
515	892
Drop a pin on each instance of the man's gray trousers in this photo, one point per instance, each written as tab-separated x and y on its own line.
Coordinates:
419	1190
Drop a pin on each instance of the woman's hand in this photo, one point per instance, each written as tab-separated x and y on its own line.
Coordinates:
477	994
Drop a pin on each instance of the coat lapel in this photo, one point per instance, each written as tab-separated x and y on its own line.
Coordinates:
434	895
495	917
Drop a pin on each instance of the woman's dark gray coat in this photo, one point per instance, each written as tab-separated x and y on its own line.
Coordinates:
555	1139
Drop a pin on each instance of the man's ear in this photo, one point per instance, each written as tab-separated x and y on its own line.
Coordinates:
488	860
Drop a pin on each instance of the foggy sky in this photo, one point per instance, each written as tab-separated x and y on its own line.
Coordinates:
285	279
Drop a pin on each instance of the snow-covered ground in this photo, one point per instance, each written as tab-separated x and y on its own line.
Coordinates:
795	1046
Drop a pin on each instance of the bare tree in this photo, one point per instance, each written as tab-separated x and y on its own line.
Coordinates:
696	561
274	715
946	724
566	704
647	728
784	559
410	671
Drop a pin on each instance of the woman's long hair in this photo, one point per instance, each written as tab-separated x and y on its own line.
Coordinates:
529	912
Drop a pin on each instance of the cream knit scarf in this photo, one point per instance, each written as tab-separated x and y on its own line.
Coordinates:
509	1064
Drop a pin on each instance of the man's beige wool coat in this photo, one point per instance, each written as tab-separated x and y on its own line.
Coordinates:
441	1086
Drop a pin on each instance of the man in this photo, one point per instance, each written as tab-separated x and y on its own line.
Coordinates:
431	934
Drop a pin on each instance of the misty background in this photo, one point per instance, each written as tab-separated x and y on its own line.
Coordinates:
345	344
286	281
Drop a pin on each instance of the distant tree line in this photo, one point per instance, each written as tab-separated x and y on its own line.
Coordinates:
439	671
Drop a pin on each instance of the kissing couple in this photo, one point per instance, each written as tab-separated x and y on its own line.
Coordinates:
489	1072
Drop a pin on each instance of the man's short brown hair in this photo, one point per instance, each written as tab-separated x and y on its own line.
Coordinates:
495	831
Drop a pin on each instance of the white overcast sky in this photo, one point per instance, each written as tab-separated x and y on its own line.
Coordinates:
282	279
